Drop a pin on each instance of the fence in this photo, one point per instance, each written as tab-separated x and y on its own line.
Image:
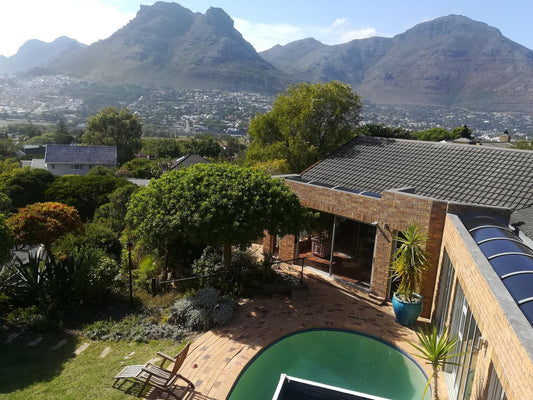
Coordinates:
163	284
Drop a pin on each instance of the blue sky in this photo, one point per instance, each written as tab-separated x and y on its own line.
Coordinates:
264	23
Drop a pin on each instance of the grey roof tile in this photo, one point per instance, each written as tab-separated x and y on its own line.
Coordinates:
452	172
69	154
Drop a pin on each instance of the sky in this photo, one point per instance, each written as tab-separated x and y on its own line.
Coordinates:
263	24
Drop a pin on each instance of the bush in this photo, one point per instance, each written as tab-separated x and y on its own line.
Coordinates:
133	328
202	311
244	270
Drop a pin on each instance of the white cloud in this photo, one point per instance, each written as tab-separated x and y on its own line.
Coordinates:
358	34
84	20
265	36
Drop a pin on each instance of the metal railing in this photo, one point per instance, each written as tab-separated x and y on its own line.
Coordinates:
191	278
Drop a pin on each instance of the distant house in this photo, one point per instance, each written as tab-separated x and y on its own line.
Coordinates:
34	150
62	159
188	160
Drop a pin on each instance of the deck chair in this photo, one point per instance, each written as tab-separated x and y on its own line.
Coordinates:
157	376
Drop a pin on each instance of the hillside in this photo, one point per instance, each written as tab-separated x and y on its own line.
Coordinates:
451	60
167	45
35	53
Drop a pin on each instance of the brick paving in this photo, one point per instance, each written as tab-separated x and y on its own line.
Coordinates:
217	357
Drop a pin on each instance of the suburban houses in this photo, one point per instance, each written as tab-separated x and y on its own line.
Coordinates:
62	159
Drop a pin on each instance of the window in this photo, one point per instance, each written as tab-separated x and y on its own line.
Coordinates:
464	326
445	292
53	166
75	166
495	390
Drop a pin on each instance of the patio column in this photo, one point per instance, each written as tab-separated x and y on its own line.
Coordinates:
332	244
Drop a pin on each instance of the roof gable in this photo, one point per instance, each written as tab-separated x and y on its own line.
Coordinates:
462	173
68	154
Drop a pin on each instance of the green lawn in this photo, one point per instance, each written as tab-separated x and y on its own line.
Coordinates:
41	372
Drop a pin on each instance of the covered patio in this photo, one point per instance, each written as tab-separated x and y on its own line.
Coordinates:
217	357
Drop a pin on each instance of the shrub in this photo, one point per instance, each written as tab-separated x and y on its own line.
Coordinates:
202	311
133	328
235	281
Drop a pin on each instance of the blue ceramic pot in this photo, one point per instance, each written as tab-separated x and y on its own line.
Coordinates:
406	313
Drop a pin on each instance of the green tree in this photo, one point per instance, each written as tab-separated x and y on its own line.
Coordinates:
85	192
462	132
140	168
5	241
524	144
26	186
162	148
436	134
7	148
306	123
213	204
113	214
203	147
380	130
112	127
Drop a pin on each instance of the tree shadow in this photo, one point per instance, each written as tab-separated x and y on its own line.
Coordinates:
22	365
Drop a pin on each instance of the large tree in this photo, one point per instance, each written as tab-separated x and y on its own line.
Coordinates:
113	127
43	223
85	192
25	185
306	123
213	204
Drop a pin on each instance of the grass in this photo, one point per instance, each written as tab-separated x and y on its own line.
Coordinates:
41	372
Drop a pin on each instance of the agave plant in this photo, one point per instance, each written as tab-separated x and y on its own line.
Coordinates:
410	262
436	351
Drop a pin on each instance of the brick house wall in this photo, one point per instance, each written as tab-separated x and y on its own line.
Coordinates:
393	212
505	349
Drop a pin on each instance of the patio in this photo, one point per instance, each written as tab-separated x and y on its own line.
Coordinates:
217	357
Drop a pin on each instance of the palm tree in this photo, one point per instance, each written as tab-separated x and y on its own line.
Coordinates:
410	262
435	350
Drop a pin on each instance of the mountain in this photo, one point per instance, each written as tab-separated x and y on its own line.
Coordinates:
35	53
167	45
449	61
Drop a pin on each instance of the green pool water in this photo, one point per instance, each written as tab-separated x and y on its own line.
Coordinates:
345	359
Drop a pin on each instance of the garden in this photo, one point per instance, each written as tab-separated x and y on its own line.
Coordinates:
122	272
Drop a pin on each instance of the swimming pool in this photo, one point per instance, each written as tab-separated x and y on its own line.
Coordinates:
341	358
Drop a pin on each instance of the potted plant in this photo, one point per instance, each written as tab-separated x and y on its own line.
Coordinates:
435	350
411	260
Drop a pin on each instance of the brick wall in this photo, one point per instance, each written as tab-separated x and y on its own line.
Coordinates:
503	350
393	212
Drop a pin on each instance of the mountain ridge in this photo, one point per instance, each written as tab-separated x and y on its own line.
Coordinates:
451	60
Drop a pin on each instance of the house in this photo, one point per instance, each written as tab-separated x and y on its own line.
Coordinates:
480	280
188	160
76	160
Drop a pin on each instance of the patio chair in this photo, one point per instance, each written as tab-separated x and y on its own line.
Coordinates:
157	376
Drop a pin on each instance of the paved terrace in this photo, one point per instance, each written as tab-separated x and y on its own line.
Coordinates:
217	357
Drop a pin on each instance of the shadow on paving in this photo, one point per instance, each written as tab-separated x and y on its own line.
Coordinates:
22	365
258	322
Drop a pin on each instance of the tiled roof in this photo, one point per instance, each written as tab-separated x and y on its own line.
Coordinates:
524	221
451	172
188	160
67	154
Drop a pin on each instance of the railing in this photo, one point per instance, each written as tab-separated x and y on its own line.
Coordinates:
164	284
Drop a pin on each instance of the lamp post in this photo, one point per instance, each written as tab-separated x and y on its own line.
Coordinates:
129	246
